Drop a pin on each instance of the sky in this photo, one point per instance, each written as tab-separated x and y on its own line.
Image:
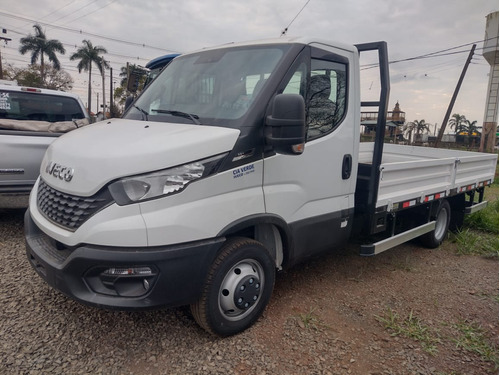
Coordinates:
137	31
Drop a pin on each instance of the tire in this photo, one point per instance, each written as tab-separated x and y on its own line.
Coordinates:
436	237
238	287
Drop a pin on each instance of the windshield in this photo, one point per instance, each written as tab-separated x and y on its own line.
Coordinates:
19	105
208	86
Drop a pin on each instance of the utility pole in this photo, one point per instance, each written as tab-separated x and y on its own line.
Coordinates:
103	63
110	91
4	31
454	97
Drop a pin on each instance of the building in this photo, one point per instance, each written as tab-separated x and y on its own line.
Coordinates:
393	129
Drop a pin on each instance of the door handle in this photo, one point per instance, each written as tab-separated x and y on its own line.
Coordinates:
346	166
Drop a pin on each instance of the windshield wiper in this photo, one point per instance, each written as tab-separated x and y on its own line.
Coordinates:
193	118
143	112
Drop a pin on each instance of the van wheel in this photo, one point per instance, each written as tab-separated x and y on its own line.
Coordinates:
435	238
238	287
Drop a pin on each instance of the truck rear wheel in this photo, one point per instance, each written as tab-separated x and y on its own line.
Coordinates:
238	287
436	237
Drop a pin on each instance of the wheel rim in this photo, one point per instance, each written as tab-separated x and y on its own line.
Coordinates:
441	224
240	290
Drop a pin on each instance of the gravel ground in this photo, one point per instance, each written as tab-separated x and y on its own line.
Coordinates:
321	320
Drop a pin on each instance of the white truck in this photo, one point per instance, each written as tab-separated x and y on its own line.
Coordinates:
30	120
236	162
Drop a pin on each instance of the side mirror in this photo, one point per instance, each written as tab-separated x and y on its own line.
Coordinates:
286	126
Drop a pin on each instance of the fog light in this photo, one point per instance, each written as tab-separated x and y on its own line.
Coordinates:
129	271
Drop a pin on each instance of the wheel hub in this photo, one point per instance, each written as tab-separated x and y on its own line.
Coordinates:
247	292
240	290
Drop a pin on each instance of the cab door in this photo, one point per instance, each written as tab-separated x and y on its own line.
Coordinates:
314	192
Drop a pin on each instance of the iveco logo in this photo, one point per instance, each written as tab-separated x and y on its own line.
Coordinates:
60	171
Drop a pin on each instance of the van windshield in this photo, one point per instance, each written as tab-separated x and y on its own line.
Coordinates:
208	86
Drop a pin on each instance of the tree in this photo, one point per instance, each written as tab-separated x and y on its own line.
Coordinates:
418	126
456	121
133	70
120	94
30	76
421	125
39	46
58	79
471	129
88	55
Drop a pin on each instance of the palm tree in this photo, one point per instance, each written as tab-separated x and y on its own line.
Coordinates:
421	126
470	128
39	46
88	54
456	121
417	126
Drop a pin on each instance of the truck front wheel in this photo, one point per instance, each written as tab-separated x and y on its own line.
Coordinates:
238	287
435	238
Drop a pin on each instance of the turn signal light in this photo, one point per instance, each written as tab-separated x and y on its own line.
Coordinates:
298	149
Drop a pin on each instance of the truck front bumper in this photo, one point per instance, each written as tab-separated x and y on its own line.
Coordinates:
122	278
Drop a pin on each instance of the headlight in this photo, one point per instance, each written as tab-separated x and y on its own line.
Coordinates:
157	184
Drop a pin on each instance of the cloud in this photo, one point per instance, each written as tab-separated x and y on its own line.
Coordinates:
411	28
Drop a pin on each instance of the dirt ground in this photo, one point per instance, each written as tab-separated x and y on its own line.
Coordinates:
408	310
343	300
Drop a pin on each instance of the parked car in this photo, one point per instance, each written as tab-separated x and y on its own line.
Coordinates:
30	120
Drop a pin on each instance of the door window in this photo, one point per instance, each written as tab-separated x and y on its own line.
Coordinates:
326	99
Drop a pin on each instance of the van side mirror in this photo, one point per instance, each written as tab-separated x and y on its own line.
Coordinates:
286	126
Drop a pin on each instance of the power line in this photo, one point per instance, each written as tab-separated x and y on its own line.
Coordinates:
81	32
145	59
439	53
89	13
67	15
58	9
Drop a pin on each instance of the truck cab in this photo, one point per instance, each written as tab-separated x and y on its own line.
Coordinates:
233	88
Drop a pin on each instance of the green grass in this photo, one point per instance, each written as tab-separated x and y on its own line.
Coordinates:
485	220
469	336
479	235
472	242
310	320
473	339
411	327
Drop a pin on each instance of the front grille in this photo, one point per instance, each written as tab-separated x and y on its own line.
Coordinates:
70	211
